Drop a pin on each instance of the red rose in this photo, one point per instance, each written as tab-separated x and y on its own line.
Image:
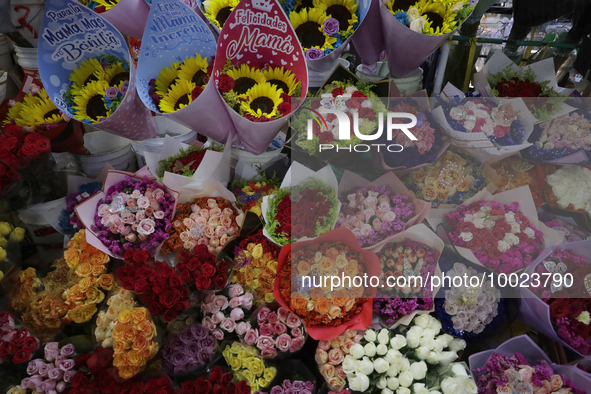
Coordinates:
10	144
184	292
163	381
141	256
184	255
30	150
467	227
223	266
169	298
188	387
19	337
182	305
7	350
215	374
196	92
43	145
337	92
202	386
187	277
284	108
242	387
357	93
11	161
354	104
137	388
80	379
200	249
156	308
559	308
208	270
367	113
326	137
161	391
159	287
151	386
193	264
141	286
220	280
218	389
3	170
149	298
30	344
12	130
226	83
225	378
128	256
175	281
21	356
202	282
576	307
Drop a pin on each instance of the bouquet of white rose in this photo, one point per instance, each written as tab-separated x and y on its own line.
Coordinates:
414	359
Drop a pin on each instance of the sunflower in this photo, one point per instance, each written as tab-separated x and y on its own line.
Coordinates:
88	70
44	112
345	11
15	112
308	27
194	69
166	78
261	100
396	6
89	102
108	4
245	78
440	18
179	96
116	73
282	79
217	11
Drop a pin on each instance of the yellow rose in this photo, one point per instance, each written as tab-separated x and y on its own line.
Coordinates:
139	315
257	367
17	235
256	209
17	390
243	354
97	270
249	376
5	228
257	252
106	282
269	298
3	242
269	373
128	372
2	254
81	314
272	265
429	193
236	347
85	284
235	363
84	270
135	359
226	353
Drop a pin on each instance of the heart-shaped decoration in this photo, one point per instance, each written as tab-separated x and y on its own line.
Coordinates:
248	62
239	56
274	53
271	61
259	56
117	205
295	58
283	62
225	36
291	64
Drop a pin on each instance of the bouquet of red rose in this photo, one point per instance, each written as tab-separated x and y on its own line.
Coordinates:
16	345
95	374
202	269
158	284
218	381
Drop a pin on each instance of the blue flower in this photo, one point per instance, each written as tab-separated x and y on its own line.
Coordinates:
402	18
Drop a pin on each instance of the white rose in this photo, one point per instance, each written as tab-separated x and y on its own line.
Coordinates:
434	392
529	232
502	246
405	379
384	336
370	349
511	239
418	370
359	383
457	345
470	386
387	391
428	342
458	369
478	223
364	366
370	336
448	357
466	237
422	321
413	339
447	338
382	383
357	351
380	365
422	352
440	344
412	13
404	365
434	325
392	371
398	342
451	386
510	217
515	228
419	388
403	390
393	383
394	356
382	349
433	357
429	333
418	24
349	364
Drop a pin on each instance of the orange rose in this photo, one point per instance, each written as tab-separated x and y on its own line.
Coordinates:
127	372
268	257
97	270
147	329
429	193
140	343
322	306
419	175
85	284
106	282
84	270
130	333
120	359
139	314
442	196
351	269
72	257
150	351
118	331
120	346
98	259
332	253
124	316
298	303
135	359
327	264
464	186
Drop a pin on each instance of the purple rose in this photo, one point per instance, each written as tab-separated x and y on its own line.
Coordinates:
46	385
67	350
55	374
66	365
167	353
68	375
186	335
290	391
199	332
297	385
43	370
204	356
309	385
277	390
193	349
51	351
124	88
287	384
208	343
33	367
177	345
26	382
179	358
314	53
60	387
111	92
330	26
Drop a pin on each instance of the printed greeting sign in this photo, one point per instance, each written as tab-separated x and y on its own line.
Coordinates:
86	68
175	38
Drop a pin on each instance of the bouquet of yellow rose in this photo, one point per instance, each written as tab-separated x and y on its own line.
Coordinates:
246	365
134	341
249	194
119	300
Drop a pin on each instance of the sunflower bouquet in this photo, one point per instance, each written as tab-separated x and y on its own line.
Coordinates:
35	111
431	17
217	11
97	88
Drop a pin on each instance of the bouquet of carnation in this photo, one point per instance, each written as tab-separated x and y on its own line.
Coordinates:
255	267
54	372
452	179
275	333
536	84
216	381
562	140
25	285
572	233
514	172
246	365
135	342
330	355
249	194
226	313
16	345
119	300
311	199
69	221
209	221
130	213
159	285
418	357
520	366
413	253
191	349
500	236
202	269
295	387
567	191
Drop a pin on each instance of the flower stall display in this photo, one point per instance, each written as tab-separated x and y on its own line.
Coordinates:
92	86
255	267
373	211
190	350
131	212
17	345
227	312
54	371
410	254
205	220
202	269
135	344
557	305
572	233
119	300
249	193
326	312
330	356
563	140
218	380
519	362
275	333
452	179
310	196
489	129
246	365
567	192
416	357
536	84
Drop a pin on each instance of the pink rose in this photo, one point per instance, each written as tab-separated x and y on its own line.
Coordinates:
293	320
556	382
204	213
215	318
365	229
266	329
116	220
213	221
246	299
282	314
224	240
131	237
131	203
148	193
158	194
214	241
114	229
526	374
324	345
203	241
189	223
220	230
195	208
272	317
140	215
377	225
208	231
265	341
384	199
226	222
228	325
327	370
370	202
335	356
262	314
211	203
357	338
200	221
206	308
209	296
143	202
368	212
242	327
282	342
346	346
124	230
297	332
269	352
154	204
235	302
217	212
389	216
142	237
279	328
207	323
321	356
129	218
251	337
103	210
146	227
218	334
235	290
159	214
296	344
185	236
227	212
340	373
136	194
220	303
237	314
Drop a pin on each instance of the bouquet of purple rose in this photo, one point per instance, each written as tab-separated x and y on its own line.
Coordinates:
193	348
226	312
275	333
289	387
52	374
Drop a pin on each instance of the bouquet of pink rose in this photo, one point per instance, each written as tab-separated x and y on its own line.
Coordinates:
134	214
276	333
330	356
500	236
53	374
226	313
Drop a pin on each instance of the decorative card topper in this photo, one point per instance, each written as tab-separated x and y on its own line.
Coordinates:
71	35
